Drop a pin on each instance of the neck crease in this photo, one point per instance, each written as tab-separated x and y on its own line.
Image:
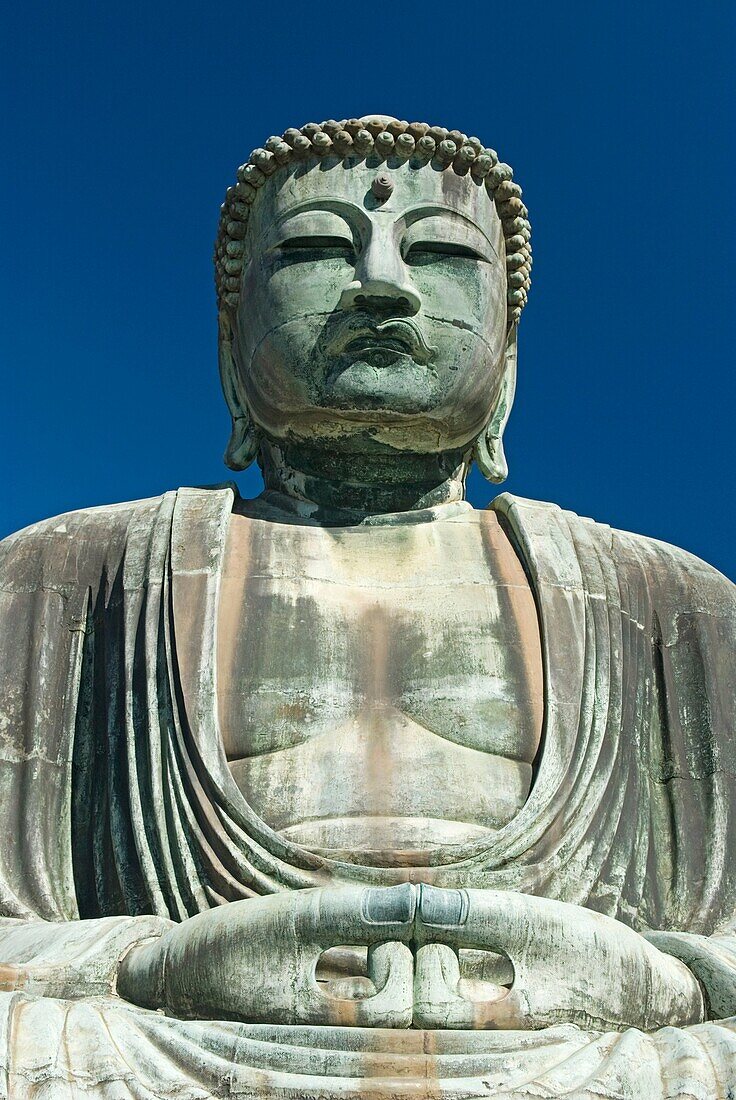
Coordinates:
350	488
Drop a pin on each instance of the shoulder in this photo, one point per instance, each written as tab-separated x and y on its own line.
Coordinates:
103	521
680	576
675	575
692	598
74	549
101	516
71	545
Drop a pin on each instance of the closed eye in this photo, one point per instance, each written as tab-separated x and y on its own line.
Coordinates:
322	244
427	251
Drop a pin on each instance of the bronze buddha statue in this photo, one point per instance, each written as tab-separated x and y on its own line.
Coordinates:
352	789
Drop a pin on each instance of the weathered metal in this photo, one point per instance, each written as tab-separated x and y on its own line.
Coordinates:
352	790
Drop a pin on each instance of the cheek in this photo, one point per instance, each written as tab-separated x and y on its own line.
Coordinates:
466	381
465	313
289	357
279	291
473	295
282	318
465	318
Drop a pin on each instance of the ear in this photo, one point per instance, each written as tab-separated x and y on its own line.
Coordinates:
488	449
243	445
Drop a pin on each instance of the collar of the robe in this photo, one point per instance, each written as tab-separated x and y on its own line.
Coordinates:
198	537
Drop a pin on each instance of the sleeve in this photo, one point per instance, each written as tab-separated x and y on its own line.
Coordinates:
72	959
712	959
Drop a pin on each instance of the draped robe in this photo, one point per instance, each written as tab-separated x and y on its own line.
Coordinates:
119	814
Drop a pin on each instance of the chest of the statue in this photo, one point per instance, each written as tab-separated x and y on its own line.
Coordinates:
310	653
390	678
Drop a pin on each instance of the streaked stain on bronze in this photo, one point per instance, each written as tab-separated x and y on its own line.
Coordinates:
379	699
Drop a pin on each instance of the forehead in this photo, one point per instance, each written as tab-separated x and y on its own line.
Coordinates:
322	183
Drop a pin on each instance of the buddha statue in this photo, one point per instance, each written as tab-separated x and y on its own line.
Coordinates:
352	789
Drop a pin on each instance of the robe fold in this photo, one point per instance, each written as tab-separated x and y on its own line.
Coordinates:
119	814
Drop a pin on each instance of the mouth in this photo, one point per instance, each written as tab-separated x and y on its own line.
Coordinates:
384	341
367	344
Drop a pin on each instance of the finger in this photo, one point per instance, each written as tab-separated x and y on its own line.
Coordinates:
363	916
391	967
436	1001
512	924
473	919
441	997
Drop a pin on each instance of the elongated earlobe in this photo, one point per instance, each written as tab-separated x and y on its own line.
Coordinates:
243	445
488	451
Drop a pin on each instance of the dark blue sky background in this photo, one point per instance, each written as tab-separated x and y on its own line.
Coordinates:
123	124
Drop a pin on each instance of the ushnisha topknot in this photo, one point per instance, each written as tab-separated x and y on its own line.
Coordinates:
382	139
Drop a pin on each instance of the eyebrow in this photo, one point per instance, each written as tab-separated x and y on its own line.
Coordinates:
352	212
420	212
342	207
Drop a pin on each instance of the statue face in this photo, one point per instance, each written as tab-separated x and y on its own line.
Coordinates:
367	321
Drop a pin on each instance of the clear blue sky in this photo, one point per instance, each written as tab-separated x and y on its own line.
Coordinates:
123	124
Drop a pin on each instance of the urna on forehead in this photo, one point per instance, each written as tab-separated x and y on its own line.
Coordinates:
379	145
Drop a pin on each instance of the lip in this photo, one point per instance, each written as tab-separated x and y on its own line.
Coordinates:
400	336
372	342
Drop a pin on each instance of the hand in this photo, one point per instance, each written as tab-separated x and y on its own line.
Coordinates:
570	965
256	960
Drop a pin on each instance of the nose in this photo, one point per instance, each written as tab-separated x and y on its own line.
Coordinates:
381	283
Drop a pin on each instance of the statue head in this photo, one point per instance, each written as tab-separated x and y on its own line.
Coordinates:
371	275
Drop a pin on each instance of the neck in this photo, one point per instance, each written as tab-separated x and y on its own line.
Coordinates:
348	488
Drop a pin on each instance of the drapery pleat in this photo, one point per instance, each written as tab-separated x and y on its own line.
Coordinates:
116	799
114	772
